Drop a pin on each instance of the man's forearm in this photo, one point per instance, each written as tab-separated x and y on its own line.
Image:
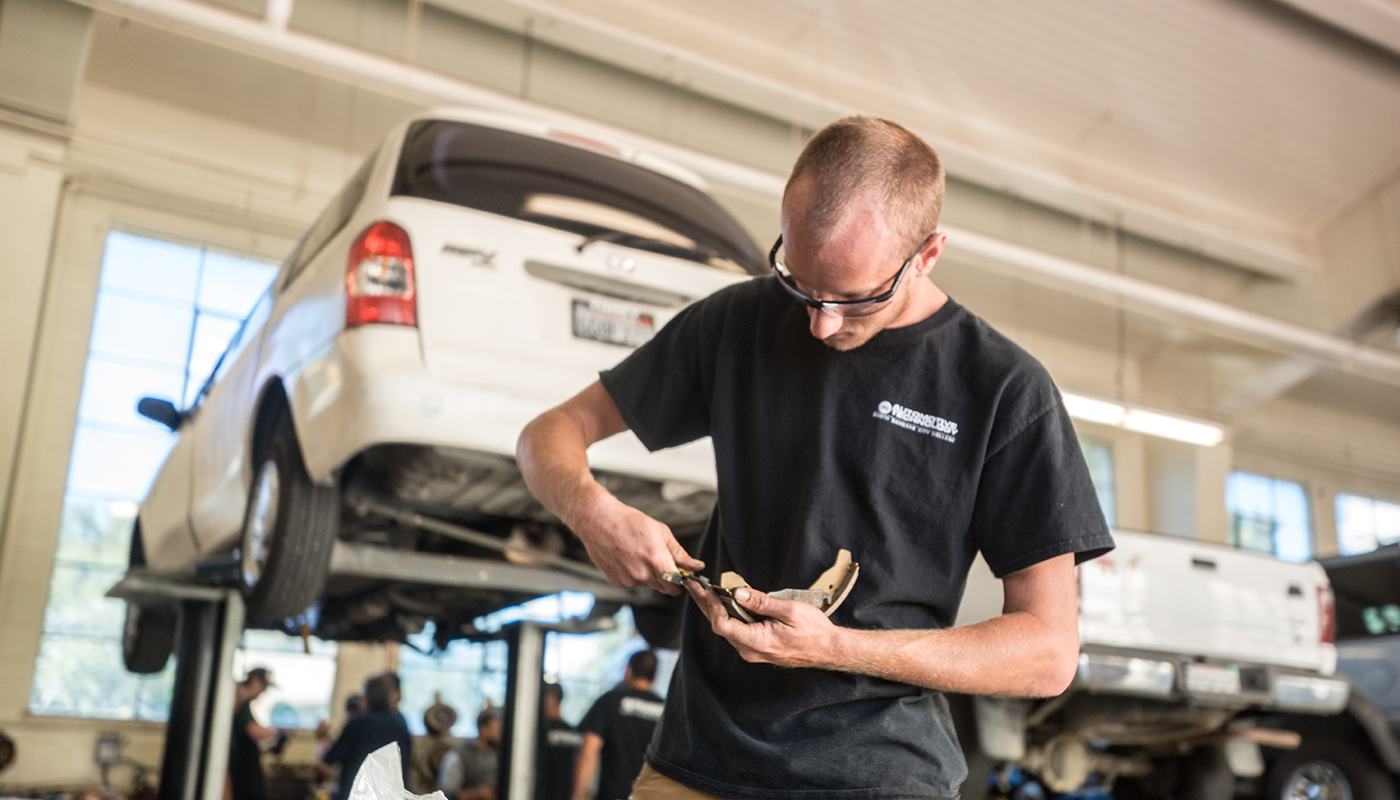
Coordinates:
552	453
1015	654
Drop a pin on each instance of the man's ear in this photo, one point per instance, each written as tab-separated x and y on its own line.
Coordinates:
929	255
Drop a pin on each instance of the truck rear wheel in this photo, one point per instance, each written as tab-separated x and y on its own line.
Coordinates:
1329	769
289	528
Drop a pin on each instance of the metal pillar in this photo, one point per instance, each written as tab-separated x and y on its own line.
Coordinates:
522	712
201	706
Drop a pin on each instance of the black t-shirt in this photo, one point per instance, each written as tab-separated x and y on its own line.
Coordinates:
244	758
918	449
554	779
360	737
625	718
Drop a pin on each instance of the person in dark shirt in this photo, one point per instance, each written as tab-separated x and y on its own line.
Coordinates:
245	745
379	725
851	405
557	749
617	730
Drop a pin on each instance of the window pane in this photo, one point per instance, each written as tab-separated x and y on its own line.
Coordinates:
95	530
111	391
1387	522
1356	530
76	602
140	346
153	333
1268	515
230	285
116	464
150	266
83	676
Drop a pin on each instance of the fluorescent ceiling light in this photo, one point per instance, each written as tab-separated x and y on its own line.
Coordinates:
1167	427
121	509
1099	411
1141	420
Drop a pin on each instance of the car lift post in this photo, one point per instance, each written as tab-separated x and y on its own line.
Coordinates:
520	728
201	706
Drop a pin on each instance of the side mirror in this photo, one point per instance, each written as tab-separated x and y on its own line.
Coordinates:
162	411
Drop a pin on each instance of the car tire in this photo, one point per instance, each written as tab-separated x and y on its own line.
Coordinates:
1329	769
1205	775
148	634
289	528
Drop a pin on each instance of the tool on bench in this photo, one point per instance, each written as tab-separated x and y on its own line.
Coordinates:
825	595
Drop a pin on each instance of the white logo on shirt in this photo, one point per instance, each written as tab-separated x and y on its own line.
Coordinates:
916	421
637	707
563	737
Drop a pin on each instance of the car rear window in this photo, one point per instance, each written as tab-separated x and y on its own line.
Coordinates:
597	196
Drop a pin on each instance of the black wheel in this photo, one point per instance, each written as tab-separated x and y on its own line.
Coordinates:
1206	775
289	528
148	636
1329	769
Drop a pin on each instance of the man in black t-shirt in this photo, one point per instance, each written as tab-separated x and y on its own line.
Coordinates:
379	725
617	730
851	405
245	745
557	749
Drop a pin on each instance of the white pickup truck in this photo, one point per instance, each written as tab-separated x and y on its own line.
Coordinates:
1191	656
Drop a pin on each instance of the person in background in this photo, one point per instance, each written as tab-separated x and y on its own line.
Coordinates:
617	730
558	747
393	678
245	746
379	725
470	771
429	751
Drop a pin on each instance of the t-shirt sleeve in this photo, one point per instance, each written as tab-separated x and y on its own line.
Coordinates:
596	720
1035	500
661	389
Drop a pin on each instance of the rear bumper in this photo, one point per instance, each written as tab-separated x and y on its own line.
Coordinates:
1212	683
370	387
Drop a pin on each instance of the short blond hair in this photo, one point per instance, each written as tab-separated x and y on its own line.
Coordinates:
859	156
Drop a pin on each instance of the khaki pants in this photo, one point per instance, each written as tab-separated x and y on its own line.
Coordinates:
652	785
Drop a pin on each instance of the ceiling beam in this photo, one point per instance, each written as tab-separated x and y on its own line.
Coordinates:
1375	21
376	73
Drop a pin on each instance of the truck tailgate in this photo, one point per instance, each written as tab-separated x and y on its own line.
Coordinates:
1164	594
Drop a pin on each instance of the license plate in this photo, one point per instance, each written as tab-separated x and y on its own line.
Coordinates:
614	323
1213	678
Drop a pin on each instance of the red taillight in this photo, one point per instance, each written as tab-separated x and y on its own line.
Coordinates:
1326	615
379	285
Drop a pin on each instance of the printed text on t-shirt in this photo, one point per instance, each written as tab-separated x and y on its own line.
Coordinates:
916	421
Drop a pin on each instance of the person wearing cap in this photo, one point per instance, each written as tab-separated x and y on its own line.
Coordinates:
470	771
245	746
378	726
429	751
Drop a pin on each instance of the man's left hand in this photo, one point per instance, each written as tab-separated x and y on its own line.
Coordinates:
788	633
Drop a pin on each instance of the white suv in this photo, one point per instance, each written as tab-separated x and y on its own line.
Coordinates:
476	270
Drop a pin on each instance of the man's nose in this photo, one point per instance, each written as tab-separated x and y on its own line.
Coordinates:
823	323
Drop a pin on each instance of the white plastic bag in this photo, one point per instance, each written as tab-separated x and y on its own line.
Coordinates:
381	778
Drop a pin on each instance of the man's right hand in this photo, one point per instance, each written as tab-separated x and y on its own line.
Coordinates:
631	548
